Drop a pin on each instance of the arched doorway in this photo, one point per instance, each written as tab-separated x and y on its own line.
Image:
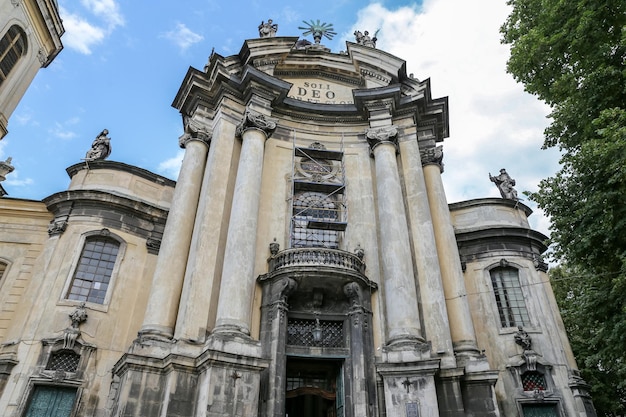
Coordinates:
314	388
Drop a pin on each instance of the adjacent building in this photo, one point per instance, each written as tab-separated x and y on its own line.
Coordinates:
30	38
305	263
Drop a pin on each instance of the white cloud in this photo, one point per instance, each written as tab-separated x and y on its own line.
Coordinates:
14	180
63	130
171	167
80	35
493	123
182	36
108	10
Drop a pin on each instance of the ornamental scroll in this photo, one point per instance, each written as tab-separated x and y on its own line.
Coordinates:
256	120
377	136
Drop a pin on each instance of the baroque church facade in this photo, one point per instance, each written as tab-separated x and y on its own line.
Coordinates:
305	263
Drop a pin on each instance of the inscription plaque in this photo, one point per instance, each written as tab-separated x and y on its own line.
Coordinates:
320	91
412	410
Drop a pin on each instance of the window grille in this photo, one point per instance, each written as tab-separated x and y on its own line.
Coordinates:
302	381
300	333
314	207
509	297
64	360
94	270
13	46
533	380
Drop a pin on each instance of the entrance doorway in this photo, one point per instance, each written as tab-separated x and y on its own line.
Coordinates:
51	401
314	388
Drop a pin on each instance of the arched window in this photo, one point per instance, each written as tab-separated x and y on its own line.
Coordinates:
310	210
509	297
95	267
13	46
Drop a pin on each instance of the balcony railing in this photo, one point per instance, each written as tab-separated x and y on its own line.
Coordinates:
316	257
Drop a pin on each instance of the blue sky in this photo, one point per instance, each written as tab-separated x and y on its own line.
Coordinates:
123	63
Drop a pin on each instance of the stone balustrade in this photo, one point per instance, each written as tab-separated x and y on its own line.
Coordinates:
333	258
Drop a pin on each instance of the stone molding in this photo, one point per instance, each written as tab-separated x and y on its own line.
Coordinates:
255	120
432	156
378	136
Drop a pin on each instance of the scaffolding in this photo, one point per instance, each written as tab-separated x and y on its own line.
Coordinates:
318	207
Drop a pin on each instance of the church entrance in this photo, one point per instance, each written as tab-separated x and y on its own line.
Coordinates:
314	388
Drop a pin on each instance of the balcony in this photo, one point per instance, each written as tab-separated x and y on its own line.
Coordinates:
316	257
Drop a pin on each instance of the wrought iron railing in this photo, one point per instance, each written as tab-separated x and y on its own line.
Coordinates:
316	257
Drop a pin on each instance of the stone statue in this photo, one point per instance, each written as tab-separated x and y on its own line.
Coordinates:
505	184
365	39
268	30
100	148
5	168
522	338
78	316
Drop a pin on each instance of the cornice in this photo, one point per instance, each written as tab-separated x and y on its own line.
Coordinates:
119	166
493	241
237	77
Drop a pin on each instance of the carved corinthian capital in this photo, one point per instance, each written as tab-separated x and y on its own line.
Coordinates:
432	156
195	131
254	120
377	136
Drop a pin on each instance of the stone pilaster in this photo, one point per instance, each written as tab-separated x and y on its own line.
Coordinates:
461	326
160	317
237	275
403	323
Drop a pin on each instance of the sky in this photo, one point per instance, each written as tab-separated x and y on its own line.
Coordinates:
123	62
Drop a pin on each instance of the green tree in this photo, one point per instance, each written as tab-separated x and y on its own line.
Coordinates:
572	55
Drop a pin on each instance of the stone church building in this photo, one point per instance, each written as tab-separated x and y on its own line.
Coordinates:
305	264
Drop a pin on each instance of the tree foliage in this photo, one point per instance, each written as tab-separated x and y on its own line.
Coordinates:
572	55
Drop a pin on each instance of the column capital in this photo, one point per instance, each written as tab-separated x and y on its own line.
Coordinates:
193	131
380	135
432	156
255	120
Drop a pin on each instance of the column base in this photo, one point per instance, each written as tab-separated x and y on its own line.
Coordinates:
233	327
233	342
407	349
157	332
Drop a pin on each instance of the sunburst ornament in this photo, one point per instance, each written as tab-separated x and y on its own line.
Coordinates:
318	29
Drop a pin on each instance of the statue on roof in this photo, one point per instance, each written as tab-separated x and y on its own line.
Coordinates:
100	148
268	30
6	168
365	39
318	30
505	184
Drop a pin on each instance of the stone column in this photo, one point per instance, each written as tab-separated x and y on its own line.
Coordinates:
235	300
160	317
432	298
196	313
461	326
403	323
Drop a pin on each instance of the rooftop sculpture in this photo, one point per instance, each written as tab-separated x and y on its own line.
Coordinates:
318	30
505	185
268	30
365	39
5	168
100	148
